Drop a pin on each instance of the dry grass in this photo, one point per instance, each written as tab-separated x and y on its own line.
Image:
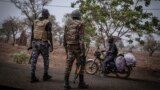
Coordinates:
145	61
58	56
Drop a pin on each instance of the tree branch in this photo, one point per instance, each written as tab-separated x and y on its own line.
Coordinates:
120	30
124	33
115	28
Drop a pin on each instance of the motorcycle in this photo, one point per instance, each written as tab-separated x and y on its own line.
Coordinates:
95	65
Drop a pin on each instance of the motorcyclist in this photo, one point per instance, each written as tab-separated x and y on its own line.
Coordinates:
111	54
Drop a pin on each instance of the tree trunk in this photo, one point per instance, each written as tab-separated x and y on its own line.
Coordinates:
14	39
151	53
7	39
60	40
104	43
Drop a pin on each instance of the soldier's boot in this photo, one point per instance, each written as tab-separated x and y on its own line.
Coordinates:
67	86
82	84
34	78
46	77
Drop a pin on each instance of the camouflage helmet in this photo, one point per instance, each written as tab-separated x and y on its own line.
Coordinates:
76	13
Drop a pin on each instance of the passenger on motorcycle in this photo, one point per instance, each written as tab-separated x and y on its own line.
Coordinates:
111	54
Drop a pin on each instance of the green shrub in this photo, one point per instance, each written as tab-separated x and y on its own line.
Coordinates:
21	57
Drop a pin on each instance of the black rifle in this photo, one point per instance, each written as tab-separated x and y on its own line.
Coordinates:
29	62
77	72
79	67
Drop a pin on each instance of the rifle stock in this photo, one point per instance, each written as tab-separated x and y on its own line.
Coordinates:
29	62
77	72
79	67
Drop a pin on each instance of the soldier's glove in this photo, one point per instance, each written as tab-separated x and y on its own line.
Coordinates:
51	48
103	51
64	44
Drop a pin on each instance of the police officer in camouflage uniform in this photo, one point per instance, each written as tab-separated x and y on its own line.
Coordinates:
74	43
41	40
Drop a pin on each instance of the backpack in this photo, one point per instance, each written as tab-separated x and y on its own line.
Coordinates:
72	32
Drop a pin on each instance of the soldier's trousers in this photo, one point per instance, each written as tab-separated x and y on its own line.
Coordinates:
74	52
40	47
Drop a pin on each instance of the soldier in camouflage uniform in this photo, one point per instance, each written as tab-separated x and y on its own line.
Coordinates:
74	43
41	40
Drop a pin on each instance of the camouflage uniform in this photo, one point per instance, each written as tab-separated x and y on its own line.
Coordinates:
40	47
73	43
40	38
74	48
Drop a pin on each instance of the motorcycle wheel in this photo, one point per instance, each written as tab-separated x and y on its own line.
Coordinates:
124	74
91	67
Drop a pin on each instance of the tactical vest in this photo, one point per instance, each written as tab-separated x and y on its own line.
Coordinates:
39	29
72	32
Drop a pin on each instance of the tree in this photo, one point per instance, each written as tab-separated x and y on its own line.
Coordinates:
115	17
56	30
22	40
152	25
11	28
67	17
5	32
13	23
14	28
151	45
59	32
30	8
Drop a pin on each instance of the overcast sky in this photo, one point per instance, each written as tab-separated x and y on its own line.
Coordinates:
8	9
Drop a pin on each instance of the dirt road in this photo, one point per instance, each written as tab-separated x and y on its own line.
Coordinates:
17	76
